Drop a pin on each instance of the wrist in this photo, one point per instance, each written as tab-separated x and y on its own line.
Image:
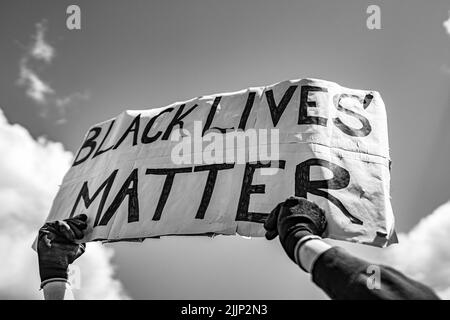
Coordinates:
57	290
298	248
308	251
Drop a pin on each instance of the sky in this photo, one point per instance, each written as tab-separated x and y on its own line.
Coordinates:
55	83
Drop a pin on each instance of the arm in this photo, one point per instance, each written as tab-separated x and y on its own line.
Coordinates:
343	276
57	249
299	224
58	290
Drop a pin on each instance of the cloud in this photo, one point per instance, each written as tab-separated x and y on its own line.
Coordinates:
30	172
41	49
36	89
447	24
64	102
38	51
423	253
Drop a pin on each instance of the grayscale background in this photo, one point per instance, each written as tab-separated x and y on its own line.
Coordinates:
55	83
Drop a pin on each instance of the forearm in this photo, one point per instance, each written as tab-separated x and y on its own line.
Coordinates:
58	290
343	276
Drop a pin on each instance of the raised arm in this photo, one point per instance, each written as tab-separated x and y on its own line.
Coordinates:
300	223
56	251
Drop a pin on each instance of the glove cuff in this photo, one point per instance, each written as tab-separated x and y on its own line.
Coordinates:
291	240
45	282
53	272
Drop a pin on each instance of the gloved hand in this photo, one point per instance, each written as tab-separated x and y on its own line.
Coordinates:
57	248
294	219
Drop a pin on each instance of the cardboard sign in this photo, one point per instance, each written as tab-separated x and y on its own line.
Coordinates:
219	164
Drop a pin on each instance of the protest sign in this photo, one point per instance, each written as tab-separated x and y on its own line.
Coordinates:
219	164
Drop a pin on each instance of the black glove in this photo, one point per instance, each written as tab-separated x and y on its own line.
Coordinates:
57	248
294	219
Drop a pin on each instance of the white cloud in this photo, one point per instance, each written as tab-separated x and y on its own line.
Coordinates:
36	89
70	99
424	253
41	49
447	24
30	172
